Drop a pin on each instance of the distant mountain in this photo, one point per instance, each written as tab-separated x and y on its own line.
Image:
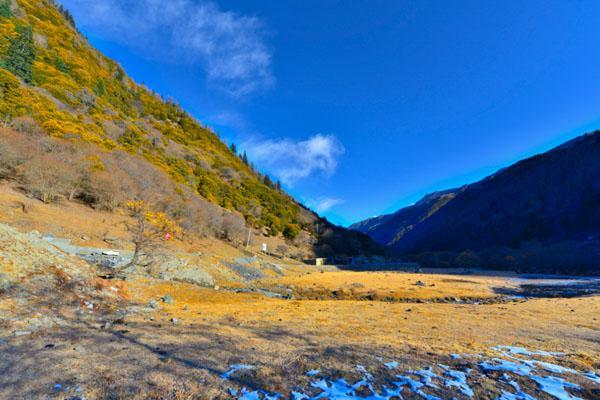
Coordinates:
538	203
389	229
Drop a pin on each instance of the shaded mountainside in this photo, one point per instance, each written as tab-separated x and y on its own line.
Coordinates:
70	110
389	229
533	206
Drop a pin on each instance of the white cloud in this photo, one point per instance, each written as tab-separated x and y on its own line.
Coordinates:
324	204
293	160
229	46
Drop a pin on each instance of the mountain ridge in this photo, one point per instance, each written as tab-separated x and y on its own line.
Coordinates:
548	199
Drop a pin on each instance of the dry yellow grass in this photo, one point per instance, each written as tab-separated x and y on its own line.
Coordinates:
188	343
391	285
569	325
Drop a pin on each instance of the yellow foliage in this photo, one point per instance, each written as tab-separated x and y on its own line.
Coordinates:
95	163
7	32
75	84
159	222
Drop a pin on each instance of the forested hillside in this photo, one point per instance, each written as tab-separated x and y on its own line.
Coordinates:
77	127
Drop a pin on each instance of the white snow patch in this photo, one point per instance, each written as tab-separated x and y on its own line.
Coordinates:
250	396
459	380
556	387
392	364
416	386
515	396
505	365
299	396
554	368
427	375
333	390
524	352
364	372
234	368
591	375
514	361
246	394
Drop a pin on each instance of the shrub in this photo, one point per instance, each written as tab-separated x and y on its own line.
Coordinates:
291	231
21	54
201	217
100	88
13	153
234	228
12	103
43	178
61	65
100	191
27	125
5	9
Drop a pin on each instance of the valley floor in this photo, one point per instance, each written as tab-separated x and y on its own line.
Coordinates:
184	347
267	329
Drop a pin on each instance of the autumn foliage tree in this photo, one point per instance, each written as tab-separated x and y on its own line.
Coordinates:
149	229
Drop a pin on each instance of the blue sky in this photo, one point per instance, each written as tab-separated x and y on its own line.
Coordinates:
363	107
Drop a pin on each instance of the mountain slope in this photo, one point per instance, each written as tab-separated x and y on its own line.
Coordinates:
389	229
549	198
83	114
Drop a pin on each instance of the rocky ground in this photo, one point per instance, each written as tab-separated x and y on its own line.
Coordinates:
200	326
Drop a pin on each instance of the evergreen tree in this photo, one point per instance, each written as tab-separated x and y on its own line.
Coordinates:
267	181
61	65
245	158
21	54
119	74
5	10
100	88
233	148
67	15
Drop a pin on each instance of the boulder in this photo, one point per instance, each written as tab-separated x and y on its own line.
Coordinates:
171	268
193	275
167	299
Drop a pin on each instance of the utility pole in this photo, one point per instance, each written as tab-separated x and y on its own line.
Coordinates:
248	241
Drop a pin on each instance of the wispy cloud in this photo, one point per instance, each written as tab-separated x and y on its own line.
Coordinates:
230	47
324	204
293	160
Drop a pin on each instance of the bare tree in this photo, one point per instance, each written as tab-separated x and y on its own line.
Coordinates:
43	178
234	228
148	230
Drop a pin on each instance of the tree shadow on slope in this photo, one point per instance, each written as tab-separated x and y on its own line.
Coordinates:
335	241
